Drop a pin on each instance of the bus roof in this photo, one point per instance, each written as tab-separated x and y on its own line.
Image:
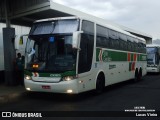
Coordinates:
97	21
57	18
153	45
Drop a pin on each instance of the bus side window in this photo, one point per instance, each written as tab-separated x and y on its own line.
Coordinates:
86	53
123	39
117	44
132	47
140	48
111	43
113	36
144	48
126	42
135	47
122	45
86	45
107	39
103	40
107	43
128	46
98	41
102	36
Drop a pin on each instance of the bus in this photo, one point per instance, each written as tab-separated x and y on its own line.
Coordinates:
153	58
74	55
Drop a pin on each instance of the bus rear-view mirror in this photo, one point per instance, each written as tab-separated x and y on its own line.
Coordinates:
76	39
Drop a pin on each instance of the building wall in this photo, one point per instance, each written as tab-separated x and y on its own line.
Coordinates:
19	30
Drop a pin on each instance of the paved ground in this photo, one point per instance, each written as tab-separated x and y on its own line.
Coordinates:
8	93
120	97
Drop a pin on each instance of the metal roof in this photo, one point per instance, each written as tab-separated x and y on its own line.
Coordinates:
153	45
24	12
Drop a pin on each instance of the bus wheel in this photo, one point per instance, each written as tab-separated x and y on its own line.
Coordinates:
140	74
136	76
100	84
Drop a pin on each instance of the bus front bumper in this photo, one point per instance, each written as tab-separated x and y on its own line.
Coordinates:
69	87
151	69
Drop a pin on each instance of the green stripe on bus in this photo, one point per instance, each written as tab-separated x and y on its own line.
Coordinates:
68	73
117	56
132	57
143	58
109	55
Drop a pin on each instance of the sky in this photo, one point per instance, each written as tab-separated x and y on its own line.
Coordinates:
140	15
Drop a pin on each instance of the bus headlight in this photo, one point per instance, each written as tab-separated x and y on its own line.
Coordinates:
155	65
69	78
27	77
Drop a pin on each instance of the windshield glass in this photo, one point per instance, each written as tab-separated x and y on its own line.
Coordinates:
152	56
51	53
50	46
151	50
55	27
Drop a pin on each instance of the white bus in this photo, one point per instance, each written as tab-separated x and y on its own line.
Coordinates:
153	58
74	55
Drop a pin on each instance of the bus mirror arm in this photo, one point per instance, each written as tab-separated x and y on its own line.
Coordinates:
79	49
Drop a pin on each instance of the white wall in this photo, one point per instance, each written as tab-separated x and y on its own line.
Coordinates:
1	47
19	30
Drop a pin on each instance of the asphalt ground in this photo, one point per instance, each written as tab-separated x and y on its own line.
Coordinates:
128	95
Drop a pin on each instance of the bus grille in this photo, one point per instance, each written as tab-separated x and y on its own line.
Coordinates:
46	79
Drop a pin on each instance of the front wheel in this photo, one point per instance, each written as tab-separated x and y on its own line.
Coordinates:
136	76
100	85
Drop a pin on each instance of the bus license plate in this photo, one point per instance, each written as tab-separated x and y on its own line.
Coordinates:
46	87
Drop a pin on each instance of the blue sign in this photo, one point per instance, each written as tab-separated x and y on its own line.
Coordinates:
51	39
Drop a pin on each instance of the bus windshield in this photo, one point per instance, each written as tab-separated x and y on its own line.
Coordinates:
50	46
51	53
55	27
152	56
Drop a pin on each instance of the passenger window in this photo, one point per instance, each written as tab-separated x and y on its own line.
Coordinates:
86	45
113	37
102	37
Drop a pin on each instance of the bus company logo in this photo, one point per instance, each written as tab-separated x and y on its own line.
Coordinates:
55	75
105	56
6	114
35	74
112	66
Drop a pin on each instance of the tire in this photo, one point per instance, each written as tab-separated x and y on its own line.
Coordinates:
100	84
136	76
140	75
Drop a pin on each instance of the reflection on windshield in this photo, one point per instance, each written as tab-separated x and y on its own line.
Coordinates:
152	50
151	58
54	54
55	27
